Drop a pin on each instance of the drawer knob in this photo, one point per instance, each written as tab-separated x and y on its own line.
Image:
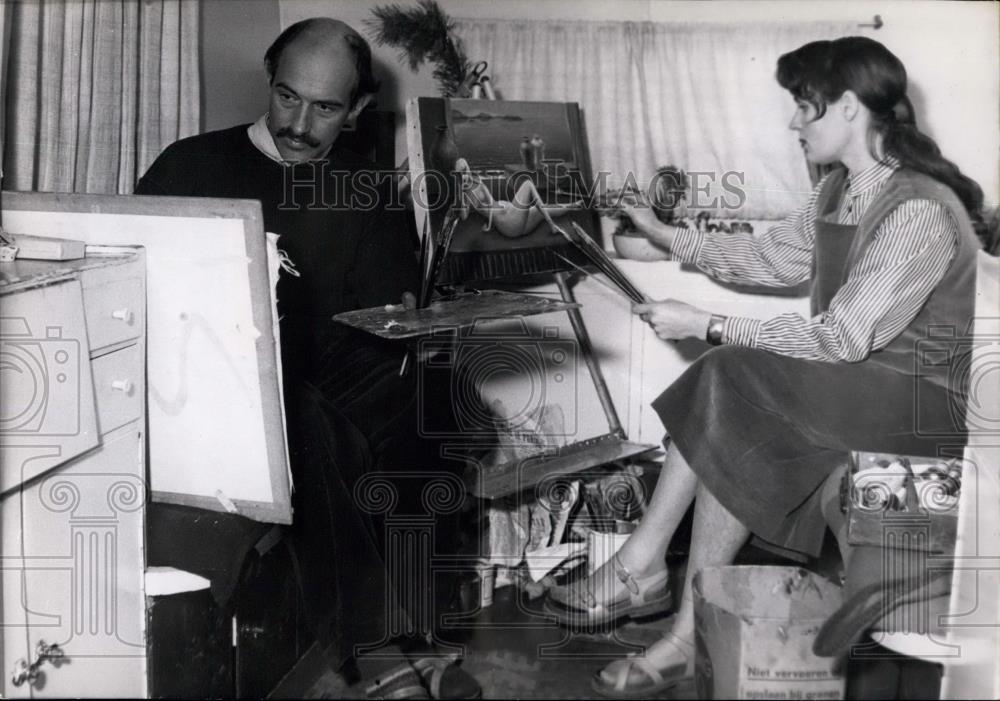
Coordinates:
124	386
124	314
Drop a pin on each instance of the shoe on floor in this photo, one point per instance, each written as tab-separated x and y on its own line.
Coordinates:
613	680
445	679
400	682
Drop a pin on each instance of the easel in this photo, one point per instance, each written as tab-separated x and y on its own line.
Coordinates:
500	480
461	311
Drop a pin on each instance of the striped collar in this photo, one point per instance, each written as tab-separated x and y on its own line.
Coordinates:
872	177
260	137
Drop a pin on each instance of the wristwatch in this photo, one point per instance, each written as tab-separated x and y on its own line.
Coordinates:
714	332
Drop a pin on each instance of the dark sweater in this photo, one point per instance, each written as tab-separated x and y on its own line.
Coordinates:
349	257
351	251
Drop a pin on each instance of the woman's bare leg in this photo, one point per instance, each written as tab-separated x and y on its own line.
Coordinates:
717	535
715	540
645	551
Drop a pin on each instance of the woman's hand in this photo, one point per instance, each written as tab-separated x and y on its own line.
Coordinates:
643	218
674	320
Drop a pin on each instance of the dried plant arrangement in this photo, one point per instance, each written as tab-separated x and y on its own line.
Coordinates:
424	33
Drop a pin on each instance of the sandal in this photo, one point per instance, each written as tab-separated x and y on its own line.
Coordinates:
444	679
612	681
577	606
400	682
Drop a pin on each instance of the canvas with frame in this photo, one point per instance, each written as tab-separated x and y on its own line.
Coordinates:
488	134
215	412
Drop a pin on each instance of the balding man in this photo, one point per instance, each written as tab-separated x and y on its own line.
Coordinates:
349	413
350	252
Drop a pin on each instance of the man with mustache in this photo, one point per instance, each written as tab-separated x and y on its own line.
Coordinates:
350	251
349	414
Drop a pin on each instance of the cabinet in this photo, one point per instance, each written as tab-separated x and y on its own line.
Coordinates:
72	475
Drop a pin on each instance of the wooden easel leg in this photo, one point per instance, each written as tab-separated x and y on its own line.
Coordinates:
587	351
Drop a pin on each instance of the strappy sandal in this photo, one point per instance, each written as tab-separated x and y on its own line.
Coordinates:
613	680
400	682
445	679
564	593
577	606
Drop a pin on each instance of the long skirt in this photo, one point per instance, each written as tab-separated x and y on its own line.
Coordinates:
763	431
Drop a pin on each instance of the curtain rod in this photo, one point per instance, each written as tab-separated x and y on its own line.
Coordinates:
876	23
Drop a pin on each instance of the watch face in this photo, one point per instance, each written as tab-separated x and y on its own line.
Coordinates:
714	333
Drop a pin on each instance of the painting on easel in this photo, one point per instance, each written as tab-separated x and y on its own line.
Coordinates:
507	169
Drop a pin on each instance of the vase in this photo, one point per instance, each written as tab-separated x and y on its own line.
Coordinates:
444	151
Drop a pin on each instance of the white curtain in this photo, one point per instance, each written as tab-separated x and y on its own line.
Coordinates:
96	89
699	96
4	46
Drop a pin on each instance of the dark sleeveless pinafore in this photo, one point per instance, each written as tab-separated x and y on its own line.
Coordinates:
763	431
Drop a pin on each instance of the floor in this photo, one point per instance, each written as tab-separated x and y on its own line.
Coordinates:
516	652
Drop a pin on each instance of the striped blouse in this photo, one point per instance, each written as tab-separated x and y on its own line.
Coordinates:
908	256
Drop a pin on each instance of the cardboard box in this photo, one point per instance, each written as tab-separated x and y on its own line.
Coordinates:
902	501
754	631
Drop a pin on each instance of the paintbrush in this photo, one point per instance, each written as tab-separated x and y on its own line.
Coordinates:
443	244
596	255
599	257
614	288
427	248
433	251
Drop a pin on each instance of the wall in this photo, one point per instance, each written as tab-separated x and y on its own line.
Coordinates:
234	37
950	49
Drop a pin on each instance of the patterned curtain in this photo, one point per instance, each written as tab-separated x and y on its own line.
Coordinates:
95	90
700	96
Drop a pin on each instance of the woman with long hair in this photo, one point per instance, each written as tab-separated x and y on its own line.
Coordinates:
758	424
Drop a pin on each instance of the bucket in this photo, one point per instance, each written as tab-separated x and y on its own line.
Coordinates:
754	631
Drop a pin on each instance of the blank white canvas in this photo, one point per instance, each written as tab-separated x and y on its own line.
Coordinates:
214	438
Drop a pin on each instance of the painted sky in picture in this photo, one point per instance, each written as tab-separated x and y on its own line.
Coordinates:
489	133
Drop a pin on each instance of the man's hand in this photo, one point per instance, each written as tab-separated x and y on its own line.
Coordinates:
674	320
409	301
